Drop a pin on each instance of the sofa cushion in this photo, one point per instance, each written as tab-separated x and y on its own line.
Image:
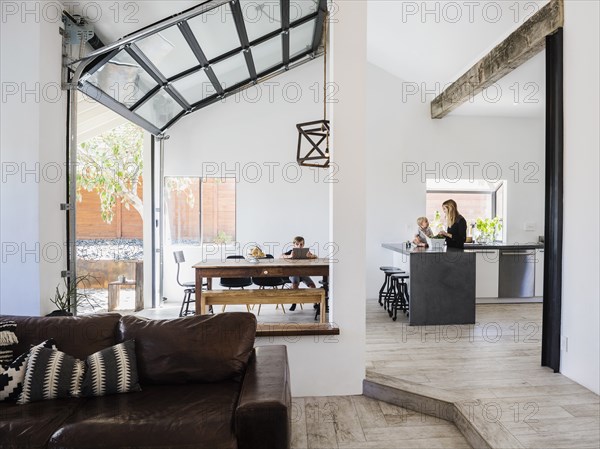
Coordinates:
31	425
11	380
76	336
51	374
161	416
112	370
193	349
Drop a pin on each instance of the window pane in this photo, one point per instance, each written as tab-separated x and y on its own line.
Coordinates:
261	18
123	79
301	38
200	210
232	71
268	54
470	205
160	109
218	210
195	87
215	31
182	208
168	51
301	8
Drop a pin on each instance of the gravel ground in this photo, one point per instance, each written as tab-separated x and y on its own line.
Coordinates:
113	249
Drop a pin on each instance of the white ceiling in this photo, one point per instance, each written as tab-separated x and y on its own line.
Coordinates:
433	43
430	42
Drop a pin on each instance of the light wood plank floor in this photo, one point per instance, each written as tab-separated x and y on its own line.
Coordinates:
496	364
358	422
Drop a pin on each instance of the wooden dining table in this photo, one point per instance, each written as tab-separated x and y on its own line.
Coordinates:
236	268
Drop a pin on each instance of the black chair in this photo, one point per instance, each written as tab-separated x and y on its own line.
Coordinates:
189	288
236	282
272	282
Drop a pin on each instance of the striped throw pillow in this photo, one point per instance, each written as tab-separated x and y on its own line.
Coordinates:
51	374
112	370
11	380
7	339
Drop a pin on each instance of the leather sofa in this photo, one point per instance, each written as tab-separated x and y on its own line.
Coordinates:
204	385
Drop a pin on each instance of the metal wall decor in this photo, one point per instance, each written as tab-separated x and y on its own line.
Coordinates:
313	137
313	134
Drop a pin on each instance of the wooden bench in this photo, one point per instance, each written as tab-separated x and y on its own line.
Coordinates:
275	296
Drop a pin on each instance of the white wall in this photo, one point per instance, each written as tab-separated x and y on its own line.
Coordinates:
255	142
276	209
403	138
580	311
32	153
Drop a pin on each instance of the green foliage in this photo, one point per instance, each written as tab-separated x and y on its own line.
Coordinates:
488	227
72	294
187	186
222	238
111	164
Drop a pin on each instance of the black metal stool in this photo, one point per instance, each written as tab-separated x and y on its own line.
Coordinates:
400	298
386	290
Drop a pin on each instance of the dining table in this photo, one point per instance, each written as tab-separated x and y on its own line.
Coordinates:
237	268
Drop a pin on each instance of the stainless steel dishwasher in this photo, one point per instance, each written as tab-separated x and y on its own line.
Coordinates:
517	274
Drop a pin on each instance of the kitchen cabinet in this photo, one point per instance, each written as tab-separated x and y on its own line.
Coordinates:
486	275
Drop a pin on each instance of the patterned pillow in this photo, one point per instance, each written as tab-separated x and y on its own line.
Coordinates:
11	380
112	370
51	374
7	339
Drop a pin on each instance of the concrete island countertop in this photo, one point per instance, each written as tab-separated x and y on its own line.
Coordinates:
401	247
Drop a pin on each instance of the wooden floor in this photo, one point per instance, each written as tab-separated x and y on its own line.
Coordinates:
496	364
358	422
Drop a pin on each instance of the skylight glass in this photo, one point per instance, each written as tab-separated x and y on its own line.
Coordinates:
181	64
268	54
123	79
168	51
215	31
231	71
160	109
195	87
261	17
301	38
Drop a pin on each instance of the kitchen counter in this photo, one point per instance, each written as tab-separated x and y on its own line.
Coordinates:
503	246
441	284
401	247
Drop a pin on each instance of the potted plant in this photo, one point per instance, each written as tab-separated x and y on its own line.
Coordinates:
71	295
488	228
436	242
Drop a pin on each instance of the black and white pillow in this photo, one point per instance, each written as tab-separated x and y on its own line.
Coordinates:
11	380
112	370
51	374
8	338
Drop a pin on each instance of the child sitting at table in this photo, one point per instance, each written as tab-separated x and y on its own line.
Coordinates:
295	280
423	232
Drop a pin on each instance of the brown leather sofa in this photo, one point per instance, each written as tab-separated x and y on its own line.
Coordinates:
204	385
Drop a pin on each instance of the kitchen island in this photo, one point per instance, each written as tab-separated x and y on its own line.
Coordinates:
441	284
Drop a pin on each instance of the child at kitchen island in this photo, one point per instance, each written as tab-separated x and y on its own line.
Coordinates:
423	232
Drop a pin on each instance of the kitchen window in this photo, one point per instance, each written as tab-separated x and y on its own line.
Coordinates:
475	199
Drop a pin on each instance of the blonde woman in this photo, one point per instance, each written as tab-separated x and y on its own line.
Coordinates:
457	225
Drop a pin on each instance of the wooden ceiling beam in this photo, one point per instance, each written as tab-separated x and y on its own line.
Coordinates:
524	43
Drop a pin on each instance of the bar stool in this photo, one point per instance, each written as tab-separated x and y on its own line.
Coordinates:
400	298
386	287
